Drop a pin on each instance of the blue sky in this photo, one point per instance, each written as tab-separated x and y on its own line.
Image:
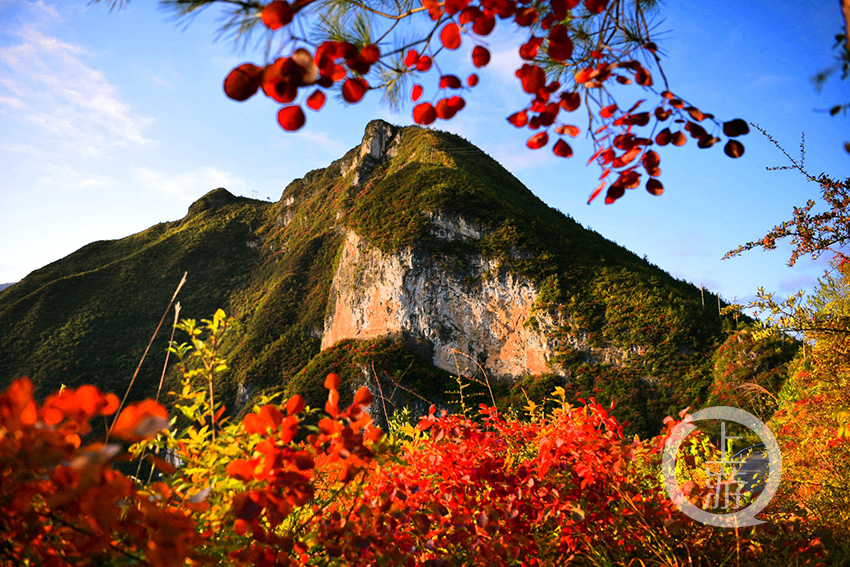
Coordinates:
112	122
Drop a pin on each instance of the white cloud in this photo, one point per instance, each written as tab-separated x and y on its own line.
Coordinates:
65	177
46	85
190	185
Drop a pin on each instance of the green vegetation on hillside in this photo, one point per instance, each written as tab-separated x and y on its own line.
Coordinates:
632	335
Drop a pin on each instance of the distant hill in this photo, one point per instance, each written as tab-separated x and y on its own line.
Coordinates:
5	285
415	254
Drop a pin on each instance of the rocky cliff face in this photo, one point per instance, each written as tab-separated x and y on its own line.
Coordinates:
466	318
465	313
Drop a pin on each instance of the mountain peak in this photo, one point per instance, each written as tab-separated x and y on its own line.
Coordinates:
215	199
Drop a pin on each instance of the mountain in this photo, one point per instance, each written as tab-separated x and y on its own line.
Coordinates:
415	257
5	285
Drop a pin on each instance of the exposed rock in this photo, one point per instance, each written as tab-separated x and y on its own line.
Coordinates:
466	321
452	227
380	141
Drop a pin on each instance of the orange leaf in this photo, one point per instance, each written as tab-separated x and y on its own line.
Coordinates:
363	397
241	469
140	420
295	404
568	129
332	381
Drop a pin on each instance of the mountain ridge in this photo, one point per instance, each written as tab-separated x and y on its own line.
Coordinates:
429	201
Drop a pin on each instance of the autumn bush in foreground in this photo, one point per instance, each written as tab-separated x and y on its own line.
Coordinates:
560	486
492	491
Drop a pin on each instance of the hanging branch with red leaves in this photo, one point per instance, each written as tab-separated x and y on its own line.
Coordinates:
575	53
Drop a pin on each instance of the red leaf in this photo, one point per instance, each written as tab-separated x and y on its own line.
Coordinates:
435	10
596	6
734	149
423	63
735	128
695	113
570	101
533	78
707	142
643	77
528	50
480	56
562	149
416	94
424	113
560	44
650	160
442	109
455	6
456	103
370	54
584	75
484	24
316	100
518	119
679	138
629	179
411	58
664	137
277	14
614	193
291	118
450	36
140	420
596	192
608	111
450	82
243	81
472	80
525	16
627	157
654	186
537	141
353	89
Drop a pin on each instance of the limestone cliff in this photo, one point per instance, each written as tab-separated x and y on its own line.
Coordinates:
461	316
